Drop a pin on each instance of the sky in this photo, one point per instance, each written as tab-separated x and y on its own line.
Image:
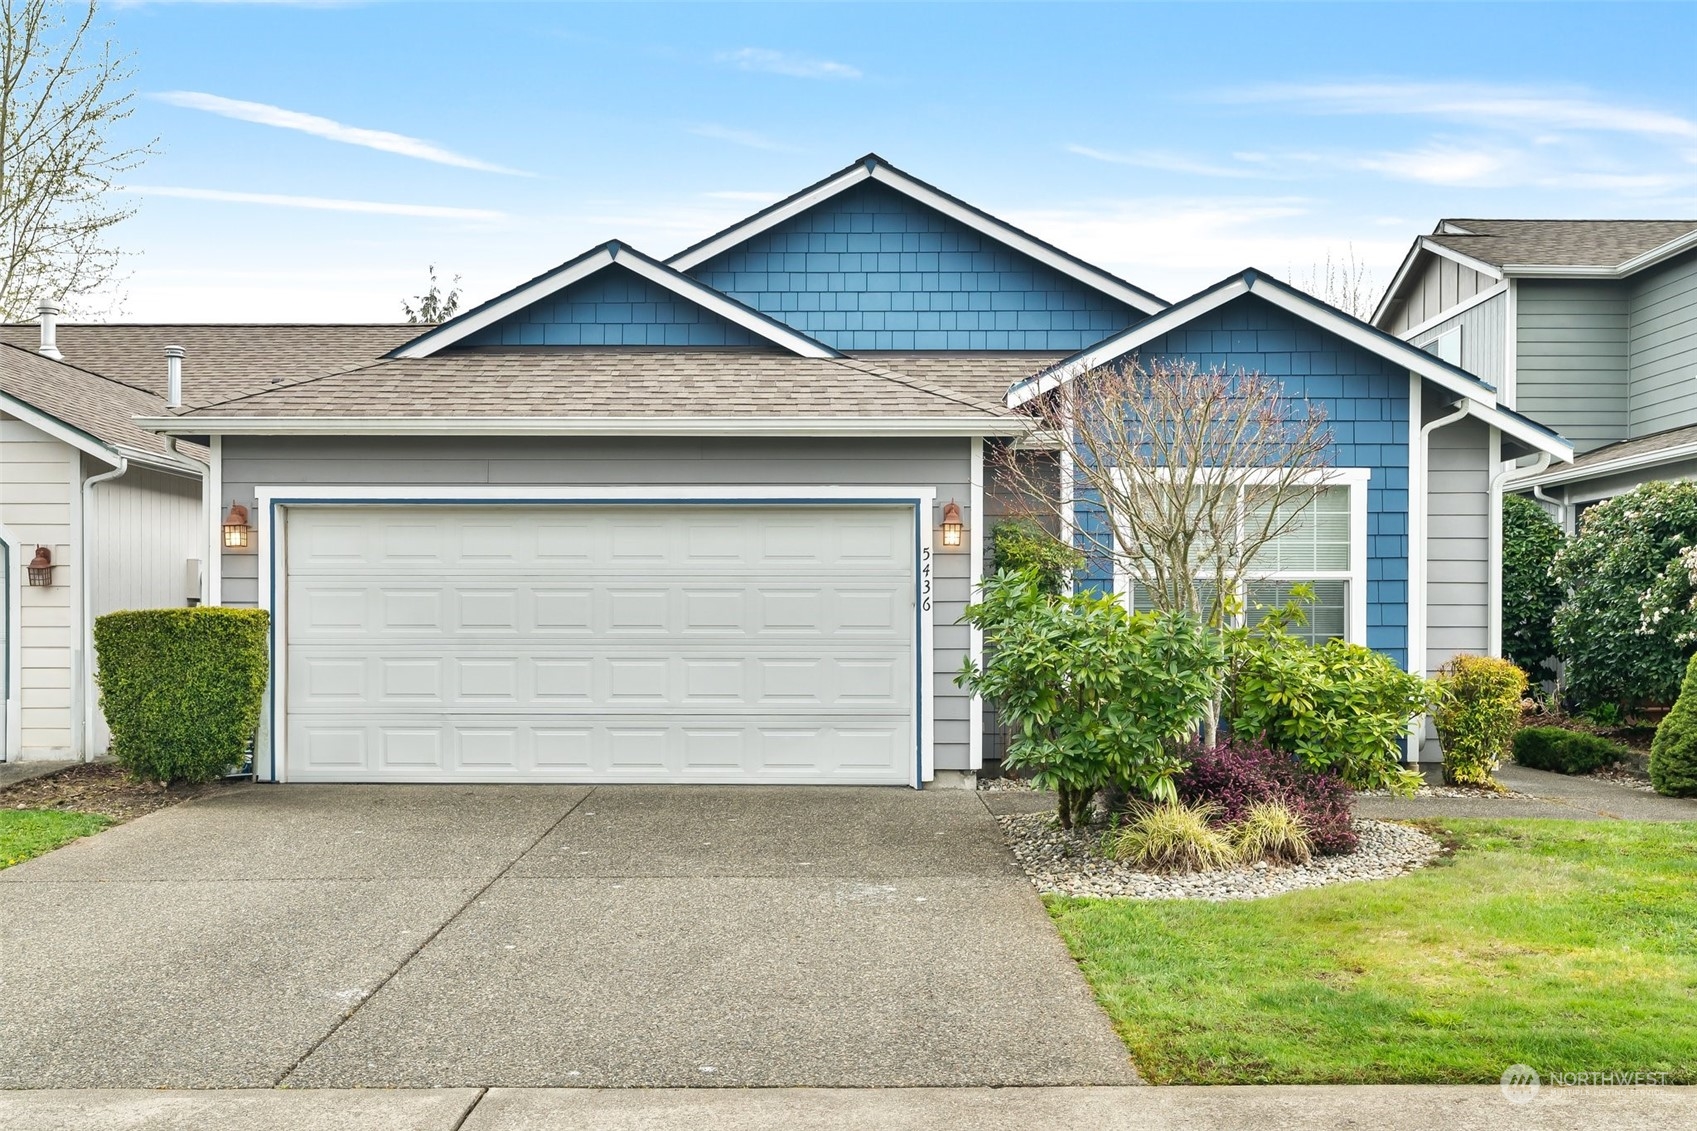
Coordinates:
313	159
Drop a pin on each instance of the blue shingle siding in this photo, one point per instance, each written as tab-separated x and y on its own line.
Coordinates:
1366	403
614	307
871	269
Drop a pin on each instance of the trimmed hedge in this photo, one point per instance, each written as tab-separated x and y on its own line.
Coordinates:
1673	752
1565	751
182	688
1478	711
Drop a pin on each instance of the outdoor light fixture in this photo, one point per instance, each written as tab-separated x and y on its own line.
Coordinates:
951	524
235	527
41	567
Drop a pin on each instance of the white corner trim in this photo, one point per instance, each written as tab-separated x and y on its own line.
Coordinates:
588	265
11	592
977	527
932	198
212	516
271	502
1417	550
1459	308
588	425
1510	391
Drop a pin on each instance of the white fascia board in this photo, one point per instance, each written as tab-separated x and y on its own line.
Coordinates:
157	462
1427	243
59	430
1395	287
1012	237
590	426
702	296
1592	271
1528	434
1462	307
1612	467
701	253
1123	343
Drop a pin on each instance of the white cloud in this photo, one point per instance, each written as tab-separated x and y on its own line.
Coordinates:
263	114
1526	107
746	138
319	203
1441	165
786	63
1163	162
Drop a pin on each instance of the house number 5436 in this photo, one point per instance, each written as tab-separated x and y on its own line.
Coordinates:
925	579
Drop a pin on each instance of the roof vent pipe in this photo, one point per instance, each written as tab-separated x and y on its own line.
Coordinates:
174	376
49	331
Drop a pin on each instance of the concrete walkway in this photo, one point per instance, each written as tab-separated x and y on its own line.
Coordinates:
923	1109
541	936
11	773
1552	795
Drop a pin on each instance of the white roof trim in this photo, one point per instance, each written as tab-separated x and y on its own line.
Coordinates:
1313	310
588	426
1425	243
931	198
1462	307
585	266
59	430
1591	271
1605	468
1529	434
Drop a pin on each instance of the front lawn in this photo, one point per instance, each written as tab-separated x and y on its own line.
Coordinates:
30	832
1570	946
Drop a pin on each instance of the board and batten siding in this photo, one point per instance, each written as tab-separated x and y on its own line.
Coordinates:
1484	338
1662	339
38	485
1440	285
941	463
1572	358
144	529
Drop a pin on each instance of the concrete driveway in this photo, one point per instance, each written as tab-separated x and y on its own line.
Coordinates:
535	936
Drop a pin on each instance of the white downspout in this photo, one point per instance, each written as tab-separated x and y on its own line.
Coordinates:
1558	504
1419	506
85	572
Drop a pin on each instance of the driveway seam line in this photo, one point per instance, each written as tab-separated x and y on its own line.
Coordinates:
465	1115
430	938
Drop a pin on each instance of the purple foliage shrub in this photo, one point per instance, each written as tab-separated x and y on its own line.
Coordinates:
1236	775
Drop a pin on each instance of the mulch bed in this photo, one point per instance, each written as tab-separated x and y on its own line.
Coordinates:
100	787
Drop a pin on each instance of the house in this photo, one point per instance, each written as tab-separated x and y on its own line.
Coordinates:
118	514
689	520
1589	326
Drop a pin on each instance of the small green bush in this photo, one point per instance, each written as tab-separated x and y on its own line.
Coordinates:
1564	751
1673	752
1531	595
181	688
1339	707
1270	831
1173	837
1478	711
1020	544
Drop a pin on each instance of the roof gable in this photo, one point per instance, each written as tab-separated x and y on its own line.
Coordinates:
550	299
614	307
890	213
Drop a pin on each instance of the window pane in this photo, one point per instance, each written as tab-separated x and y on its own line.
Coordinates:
1140	602
1327	615
1317	538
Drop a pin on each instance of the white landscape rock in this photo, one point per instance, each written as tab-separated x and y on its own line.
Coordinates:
1072	863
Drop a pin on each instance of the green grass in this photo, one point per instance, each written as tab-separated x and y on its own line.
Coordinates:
1570	946
30	832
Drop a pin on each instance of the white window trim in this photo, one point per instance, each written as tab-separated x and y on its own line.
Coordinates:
1356	479
271	503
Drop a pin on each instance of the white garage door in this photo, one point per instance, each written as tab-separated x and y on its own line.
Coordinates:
681	643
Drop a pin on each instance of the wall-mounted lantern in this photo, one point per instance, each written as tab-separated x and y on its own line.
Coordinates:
236	528
951	524
41	567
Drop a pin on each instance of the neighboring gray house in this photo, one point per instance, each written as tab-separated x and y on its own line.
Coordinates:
1588	326
689	520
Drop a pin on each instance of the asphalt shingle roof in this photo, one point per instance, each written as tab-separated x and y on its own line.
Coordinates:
1558	243
589	382
1649	445
90	403
984	375
224	360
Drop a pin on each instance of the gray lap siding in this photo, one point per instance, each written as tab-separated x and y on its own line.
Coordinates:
942	464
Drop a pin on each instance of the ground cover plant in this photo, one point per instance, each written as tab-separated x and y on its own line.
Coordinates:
25	833
1570	946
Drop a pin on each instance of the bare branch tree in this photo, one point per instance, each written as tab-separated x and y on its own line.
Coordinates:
433	306
61	97
1181	477
1345	283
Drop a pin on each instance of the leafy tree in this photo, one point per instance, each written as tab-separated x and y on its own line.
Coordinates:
62	93
433	306
1531	594
1626	626
1023	544
1096	697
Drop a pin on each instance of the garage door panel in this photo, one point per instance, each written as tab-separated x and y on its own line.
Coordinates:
720	644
